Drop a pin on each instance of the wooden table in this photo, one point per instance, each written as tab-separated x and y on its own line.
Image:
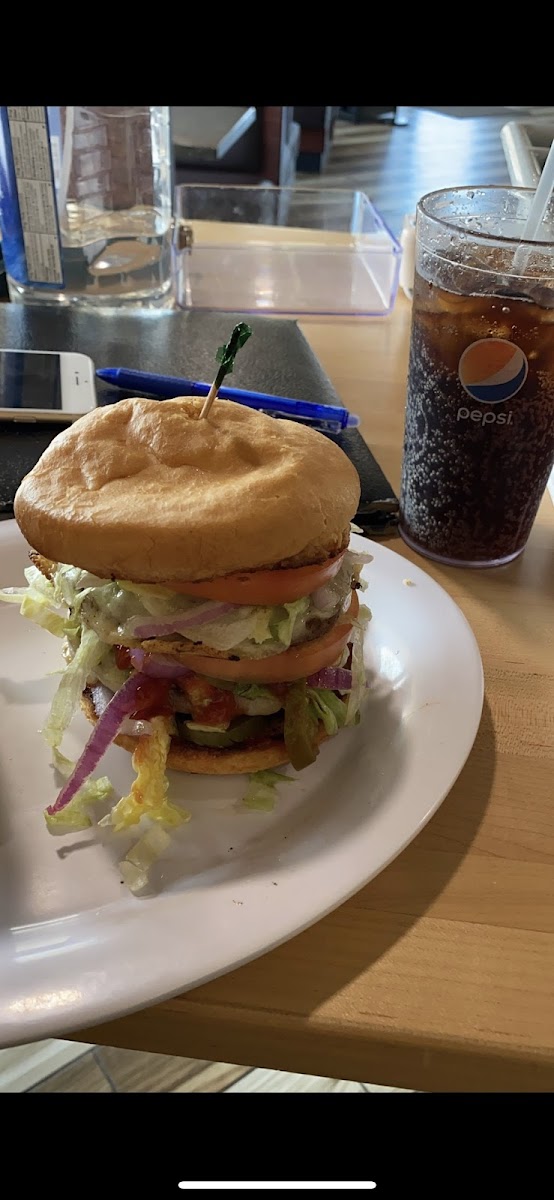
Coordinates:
440	974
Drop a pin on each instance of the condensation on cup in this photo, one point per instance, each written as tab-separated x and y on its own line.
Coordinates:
479	435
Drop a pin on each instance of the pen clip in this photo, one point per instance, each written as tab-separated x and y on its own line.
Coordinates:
314	422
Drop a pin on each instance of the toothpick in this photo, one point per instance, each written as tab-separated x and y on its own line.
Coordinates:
226	356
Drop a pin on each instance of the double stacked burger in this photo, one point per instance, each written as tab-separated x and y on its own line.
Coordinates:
205	570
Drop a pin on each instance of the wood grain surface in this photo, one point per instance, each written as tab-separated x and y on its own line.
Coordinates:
440	974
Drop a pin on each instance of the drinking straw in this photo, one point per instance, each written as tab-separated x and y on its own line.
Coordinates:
537	212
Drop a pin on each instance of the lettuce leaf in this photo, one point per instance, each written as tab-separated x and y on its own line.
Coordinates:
148	795
37	609
358	691
261	630
113	610
261	792
135	867
108	673
75	815
327	708
37	601
252	691
156	600
283	627
72	683
69	582
257	701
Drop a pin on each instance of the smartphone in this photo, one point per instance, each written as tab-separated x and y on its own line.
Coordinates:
45	385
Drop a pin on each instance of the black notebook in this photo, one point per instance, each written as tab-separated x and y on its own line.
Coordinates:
277	359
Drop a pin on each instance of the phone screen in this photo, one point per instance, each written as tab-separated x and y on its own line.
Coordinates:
30	381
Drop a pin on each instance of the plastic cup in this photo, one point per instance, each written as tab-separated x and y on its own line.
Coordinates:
479	435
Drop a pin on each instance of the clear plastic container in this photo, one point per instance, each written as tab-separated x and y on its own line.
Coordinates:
86	204
283	250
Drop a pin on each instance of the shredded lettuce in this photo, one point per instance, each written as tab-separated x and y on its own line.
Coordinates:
359	558
257	701
135	867
358	691
100	611
284	626
40	601
148	795
261	792
71	685
153	598
37	601
248	624
108	673
62	764
327	708
145	590
113	609
261	628
37	609
253	691
69	583
75	815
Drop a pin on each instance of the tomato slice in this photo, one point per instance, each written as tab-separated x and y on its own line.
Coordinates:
296	663
280	586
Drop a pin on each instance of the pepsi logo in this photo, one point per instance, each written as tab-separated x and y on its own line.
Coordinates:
492	370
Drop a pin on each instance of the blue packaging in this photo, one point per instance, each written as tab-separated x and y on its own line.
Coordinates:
30	138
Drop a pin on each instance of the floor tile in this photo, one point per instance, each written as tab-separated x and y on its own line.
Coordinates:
21	1067
396	164
260	1080
216	1077
377	1087
82	1076
137	1071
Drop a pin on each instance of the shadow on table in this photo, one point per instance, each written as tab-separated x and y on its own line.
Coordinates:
521	582
406	889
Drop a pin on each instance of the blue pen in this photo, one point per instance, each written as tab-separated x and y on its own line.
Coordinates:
325	416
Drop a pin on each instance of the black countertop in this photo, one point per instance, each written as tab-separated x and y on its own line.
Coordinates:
170	343
276	359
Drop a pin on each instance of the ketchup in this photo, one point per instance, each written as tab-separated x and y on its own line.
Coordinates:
152	694
123	657
152	700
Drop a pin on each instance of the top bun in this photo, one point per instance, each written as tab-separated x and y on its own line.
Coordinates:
144	490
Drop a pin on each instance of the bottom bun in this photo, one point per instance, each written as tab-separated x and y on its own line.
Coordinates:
203	760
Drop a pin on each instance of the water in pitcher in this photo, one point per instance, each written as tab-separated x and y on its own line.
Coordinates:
117	256
97	224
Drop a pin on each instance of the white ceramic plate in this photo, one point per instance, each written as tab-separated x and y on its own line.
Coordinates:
77	948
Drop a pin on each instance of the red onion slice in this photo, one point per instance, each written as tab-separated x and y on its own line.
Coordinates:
178	624
338	679
123	702
156	666
101	697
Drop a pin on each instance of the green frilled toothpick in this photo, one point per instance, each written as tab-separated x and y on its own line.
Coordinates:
226	357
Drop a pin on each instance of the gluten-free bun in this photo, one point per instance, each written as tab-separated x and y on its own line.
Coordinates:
145	490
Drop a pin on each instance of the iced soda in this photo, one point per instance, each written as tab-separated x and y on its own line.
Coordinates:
479	435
